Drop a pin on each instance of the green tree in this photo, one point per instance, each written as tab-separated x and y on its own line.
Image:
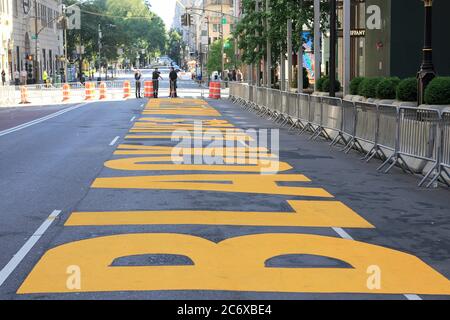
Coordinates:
252	32
215	56
173	48
129	25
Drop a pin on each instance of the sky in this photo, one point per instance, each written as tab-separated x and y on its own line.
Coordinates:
165	9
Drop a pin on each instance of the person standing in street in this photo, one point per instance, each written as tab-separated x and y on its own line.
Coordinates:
156	75
137	77
173	76
3	77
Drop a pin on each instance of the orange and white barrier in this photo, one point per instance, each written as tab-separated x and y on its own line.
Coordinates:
66	92
24	95
148	89
102	89
214	90
126	89
89	91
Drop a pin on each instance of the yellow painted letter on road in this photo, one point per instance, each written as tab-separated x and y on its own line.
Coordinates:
307	213
236	264
243	183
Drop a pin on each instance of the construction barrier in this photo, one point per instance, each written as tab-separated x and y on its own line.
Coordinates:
102	89
214	90
148	89
24	95
414	139
126	89
89	91
66	92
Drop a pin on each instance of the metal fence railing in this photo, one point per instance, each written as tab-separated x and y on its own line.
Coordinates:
416	140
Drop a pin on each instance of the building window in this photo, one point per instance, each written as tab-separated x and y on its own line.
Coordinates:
216	28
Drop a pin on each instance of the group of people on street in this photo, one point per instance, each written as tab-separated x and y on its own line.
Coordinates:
233	75
20	78
156	76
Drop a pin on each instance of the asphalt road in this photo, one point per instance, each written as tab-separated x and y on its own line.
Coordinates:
117	230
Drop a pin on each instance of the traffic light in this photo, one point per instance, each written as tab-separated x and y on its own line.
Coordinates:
30	57
186	20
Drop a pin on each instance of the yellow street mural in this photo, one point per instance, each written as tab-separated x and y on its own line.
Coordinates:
234	264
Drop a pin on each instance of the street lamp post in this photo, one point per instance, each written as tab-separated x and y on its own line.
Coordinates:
426	72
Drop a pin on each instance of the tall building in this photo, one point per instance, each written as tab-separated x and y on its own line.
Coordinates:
27	14
6	25
387	38
220	15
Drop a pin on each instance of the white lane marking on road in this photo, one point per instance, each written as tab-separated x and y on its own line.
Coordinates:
114	141
36	121
412	297
343	234
20	255
243	143
132	119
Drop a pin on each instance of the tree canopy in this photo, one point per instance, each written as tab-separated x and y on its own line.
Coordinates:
252	31
215	56
129	25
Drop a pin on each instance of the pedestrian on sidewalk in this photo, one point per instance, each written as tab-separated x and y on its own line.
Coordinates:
16	78
137	77
156	75
173	76
23	77
45	78
239	75
3	77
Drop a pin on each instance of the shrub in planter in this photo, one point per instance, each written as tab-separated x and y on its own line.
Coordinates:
326	85
354	84
320	83
368	87
407	90
438	91
387	88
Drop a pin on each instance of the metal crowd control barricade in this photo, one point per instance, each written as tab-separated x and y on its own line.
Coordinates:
332	118
366	122
261	98
290	112
269	103
440	171
302	122
416	137
275	104
385	132
315	117
349	125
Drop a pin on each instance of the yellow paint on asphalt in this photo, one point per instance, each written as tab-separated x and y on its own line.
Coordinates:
239	183
306	214
235	264
205	137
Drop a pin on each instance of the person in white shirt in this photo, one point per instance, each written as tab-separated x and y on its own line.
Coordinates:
23	77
